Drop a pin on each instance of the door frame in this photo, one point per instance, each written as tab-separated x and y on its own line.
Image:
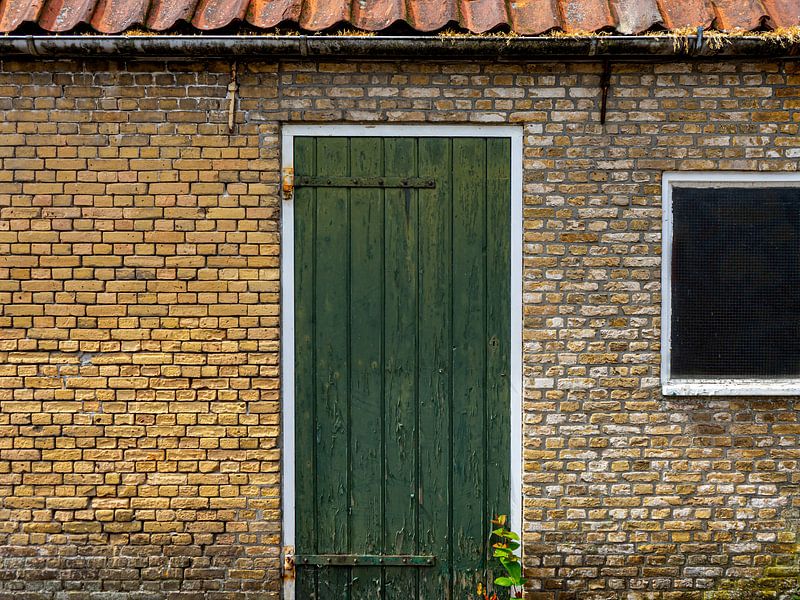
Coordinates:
287	334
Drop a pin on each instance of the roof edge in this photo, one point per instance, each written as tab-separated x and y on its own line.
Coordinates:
525	49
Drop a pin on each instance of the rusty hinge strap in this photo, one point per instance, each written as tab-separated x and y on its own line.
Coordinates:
369	560
288	563
370	182
288	183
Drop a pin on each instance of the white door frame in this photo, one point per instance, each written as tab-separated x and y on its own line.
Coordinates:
289	132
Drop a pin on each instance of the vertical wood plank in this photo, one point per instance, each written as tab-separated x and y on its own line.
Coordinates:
469	364
435	302
498	327
305	466
366	355
332	364
400	429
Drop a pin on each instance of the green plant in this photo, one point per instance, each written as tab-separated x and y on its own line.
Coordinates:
504	550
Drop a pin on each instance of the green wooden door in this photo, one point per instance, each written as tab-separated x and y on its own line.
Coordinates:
402	316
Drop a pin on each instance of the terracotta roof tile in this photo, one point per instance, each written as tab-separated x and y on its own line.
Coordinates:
14	13
524	17
64	15
321	14
114	16
214	14
377	14
685	13
783	13
269	13
585	15
430	15
163	14
479	16
529	17
635	16
739	14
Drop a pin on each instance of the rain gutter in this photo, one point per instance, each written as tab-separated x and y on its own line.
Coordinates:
528	49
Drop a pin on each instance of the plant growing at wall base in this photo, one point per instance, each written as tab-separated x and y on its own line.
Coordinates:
504	550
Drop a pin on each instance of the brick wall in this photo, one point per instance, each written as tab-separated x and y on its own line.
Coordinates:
139	307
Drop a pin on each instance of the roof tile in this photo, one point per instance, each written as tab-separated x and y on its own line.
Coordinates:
163	14
64	15
529	17
480	16
636	16
430	15
377	14
783	13
114	16
585	15
739	14
214	14
685	13
14	13
321	14
269	13
524	17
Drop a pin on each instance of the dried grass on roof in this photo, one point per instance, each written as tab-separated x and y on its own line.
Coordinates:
683	39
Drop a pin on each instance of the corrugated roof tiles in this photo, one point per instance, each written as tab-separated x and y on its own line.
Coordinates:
524	17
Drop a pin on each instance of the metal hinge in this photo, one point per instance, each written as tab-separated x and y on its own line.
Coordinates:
367	560
288	183
288	563
365	182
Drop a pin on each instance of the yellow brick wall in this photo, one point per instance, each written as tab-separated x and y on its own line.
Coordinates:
139	294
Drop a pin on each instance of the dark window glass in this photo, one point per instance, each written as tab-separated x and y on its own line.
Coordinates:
735	283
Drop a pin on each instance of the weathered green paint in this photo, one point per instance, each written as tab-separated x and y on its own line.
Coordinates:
402	358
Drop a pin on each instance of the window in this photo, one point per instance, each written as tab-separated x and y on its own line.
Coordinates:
731	284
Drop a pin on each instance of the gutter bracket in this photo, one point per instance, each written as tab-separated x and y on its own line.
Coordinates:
30	42
233	86
698	44
605	83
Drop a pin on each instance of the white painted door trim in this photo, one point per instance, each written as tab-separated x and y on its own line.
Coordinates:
289	132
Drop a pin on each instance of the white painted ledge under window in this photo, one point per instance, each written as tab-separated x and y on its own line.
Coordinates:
731	387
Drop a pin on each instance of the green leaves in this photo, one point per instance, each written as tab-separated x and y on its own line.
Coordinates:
504	551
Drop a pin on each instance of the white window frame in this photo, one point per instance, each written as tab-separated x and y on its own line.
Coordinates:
289	132
715	386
